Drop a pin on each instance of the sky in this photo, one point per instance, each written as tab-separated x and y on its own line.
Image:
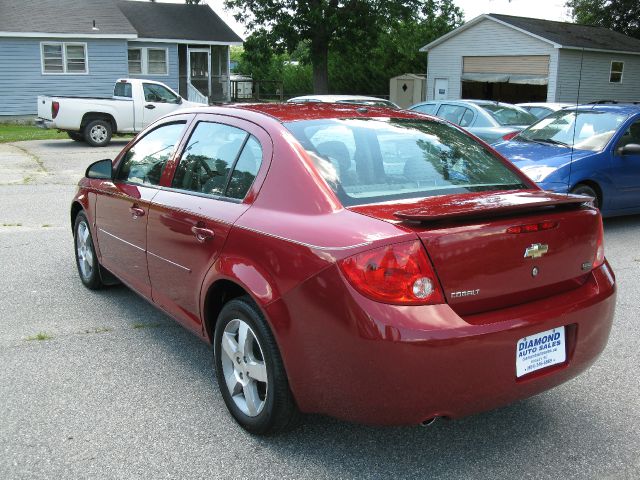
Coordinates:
547	9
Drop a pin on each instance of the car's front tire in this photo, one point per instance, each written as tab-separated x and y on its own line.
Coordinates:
98	133
584	189
250	372
86	258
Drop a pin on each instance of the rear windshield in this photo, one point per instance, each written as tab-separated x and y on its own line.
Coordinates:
506	115
376	160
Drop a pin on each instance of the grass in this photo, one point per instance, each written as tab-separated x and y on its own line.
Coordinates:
40	337
11	132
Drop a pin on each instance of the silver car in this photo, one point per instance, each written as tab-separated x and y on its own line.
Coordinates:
489	120
542	109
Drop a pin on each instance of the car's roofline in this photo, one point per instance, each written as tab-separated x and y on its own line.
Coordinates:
290	112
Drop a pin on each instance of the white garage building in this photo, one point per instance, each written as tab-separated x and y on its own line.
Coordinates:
518	59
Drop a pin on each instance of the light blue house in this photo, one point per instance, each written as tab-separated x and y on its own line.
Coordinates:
81	47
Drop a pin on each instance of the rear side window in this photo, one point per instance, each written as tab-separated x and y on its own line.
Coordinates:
452	113
429	108
506	115
378	160
122	89
219	160
145	161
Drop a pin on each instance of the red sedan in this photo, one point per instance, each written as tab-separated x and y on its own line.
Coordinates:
375	265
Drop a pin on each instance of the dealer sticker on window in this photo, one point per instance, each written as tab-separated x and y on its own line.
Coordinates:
540	351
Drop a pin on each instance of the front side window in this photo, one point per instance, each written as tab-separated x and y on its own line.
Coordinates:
219	160
64	58
145	161
377	160
615	75
158	93
630	136
588	130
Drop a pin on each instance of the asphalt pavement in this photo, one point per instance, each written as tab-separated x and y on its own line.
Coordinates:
103	385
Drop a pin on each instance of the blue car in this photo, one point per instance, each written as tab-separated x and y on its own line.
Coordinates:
590	150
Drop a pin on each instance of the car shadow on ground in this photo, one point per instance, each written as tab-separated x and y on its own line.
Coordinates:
620	223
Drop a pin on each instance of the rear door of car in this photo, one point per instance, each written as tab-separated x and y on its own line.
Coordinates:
122	205
210	187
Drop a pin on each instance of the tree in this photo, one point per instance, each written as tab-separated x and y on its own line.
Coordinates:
324	25
620	15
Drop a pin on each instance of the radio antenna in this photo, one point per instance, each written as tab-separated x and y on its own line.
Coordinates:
575	123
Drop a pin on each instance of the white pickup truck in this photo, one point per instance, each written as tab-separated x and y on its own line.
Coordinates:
134	105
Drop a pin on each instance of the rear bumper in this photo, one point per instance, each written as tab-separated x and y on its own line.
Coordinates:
44	123
358	360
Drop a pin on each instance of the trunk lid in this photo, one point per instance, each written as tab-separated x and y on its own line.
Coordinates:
485	251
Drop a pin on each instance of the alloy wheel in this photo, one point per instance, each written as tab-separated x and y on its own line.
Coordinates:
244	368
85	250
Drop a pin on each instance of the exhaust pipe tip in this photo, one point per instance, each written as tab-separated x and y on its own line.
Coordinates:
428	422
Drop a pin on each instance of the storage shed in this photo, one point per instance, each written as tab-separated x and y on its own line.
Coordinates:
519	59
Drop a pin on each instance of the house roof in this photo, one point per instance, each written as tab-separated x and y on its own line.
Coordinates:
64	18
114	19
177	21
559	34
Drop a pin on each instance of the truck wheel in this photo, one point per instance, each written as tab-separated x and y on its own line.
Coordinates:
76	136
98	133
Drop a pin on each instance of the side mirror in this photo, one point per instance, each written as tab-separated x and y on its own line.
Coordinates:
100	170
179	100
629	149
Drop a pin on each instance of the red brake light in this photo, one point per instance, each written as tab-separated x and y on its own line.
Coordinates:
599	257
399	274
532	227
55	108
510	135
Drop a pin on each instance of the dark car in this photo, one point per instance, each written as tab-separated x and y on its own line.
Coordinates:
371	264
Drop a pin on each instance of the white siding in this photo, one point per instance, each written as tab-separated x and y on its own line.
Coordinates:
486	38
595	77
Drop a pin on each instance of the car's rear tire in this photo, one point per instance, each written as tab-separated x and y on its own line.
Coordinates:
250	372
86	258
584	189
97	133
75	136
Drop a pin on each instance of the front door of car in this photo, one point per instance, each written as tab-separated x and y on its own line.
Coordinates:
625	169
158	101
122	207
190	218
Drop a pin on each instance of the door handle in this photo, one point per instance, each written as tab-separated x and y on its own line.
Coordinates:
149	106
202	234
136	212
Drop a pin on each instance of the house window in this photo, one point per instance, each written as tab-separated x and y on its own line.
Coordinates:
148	61
62	57
615	76
157	61
135	61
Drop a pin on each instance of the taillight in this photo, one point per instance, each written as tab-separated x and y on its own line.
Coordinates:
599	257
55	108
532	227
510	135
400	274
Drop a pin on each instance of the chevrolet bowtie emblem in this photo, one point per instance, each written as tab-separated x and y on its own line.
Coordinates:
536	250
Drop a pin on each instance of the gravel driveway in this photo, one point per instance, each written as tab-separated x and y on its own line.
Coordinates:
115	389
